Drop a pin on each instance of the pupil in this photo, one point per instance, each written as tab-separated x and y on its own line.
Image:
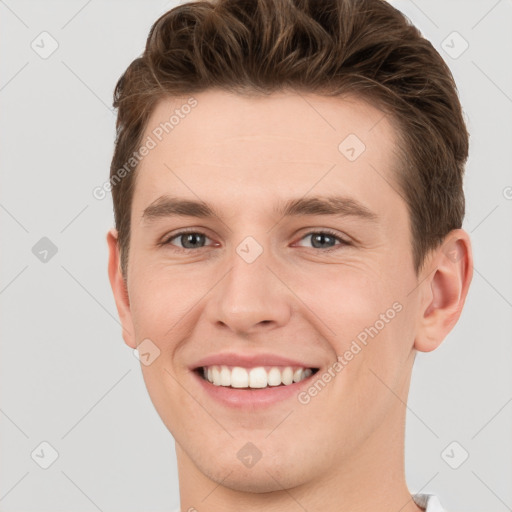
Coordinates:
190	238
322	237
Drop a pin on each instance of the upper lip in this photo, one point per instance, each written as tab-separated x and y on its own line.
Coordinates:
249	360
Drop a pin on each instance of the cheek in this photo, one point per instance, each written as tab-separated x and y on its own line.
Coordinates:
361	315
160	298
346	298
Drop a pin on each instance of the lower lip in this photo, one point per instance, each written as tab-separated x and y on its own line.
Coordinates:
250	398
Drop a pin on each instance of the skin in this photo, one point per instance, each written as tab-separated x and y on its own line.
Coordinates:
344	450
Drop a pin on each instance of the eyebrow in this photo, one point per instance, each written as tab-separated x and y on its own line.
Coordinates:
339	206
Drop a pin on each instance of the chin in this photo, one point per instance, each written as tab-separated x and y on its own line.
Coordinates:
264	479
267	475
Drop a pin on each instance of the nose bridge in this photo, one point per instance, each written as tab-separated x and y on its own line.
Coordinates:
250	296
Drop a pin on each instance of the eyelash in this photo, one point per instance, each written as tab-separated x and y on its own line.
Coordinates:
329	232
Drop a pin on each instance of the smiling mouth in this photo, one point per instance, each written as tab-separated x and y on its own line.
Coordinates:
259	377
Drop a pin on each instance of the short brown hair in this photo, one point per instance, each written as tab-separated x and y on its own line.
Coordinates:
329	47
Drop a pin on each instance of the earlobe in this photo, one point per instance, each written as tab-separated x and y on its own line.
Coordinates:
119	288
445	290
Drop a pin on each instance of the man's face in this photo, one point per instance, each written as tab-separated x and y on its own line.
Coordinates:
254	282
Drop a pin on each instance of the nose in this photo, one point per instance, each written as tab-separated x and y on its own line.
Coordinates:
251	296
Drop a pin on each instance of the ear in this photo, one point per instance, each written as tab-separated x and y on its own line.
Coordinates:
119	288
444	290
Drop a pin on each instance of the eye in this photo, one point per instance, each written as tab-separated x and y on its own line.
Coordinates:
188	240
325	239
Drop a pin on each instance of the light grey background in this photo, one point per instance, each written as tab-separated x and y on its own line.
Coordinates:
68	379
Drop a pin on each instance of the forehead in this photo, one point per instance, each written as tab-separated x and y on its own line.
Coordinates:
261	147
287	119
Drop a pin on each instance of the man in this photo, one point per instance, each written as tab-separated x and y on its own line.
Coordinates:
287	186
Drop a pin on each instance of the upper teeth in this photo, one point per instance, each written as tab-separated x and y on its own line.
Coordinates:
259	377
